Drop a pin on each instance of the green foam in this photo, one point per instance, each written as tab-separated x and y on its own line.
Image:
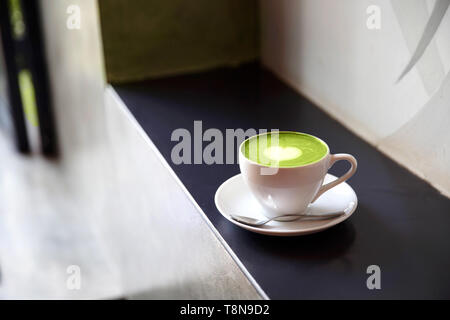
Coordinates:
284	149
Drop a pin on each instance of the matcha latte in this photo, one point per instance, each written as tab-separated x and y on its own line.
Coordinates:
284	149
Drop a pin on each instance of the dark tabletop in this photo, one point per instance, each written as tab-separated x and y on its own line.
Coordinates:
401	224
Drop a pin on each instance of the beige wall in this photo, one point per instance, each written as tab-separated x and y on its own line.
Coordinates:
119	186
324	49
109	204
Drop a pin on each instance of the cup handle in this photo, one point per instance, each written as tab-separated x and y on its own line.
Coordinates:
346	176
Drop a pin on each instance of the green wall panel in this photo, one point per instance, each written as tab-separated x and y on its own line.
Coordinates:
148	38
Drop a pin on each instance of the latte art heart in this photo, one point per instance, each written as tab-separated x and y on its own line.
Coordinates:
277	153
284	149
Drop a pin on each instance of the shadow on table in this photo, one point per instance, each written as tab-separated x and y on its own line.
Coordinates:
326	245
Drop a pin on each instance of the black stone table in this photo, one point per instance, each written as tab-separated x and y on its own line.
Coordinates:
401	224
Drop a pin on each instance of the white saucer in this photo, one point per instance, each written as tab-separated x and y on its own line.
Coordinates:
234	197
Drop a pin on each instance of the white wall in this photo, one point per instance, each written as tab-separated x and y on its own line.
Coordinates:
324	49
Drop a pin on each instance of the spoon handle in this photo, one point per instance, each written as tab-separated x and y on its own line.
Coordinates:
319	216
255	222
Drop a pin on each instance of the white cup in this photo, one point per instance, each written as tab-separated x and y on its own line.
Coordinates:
283	191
